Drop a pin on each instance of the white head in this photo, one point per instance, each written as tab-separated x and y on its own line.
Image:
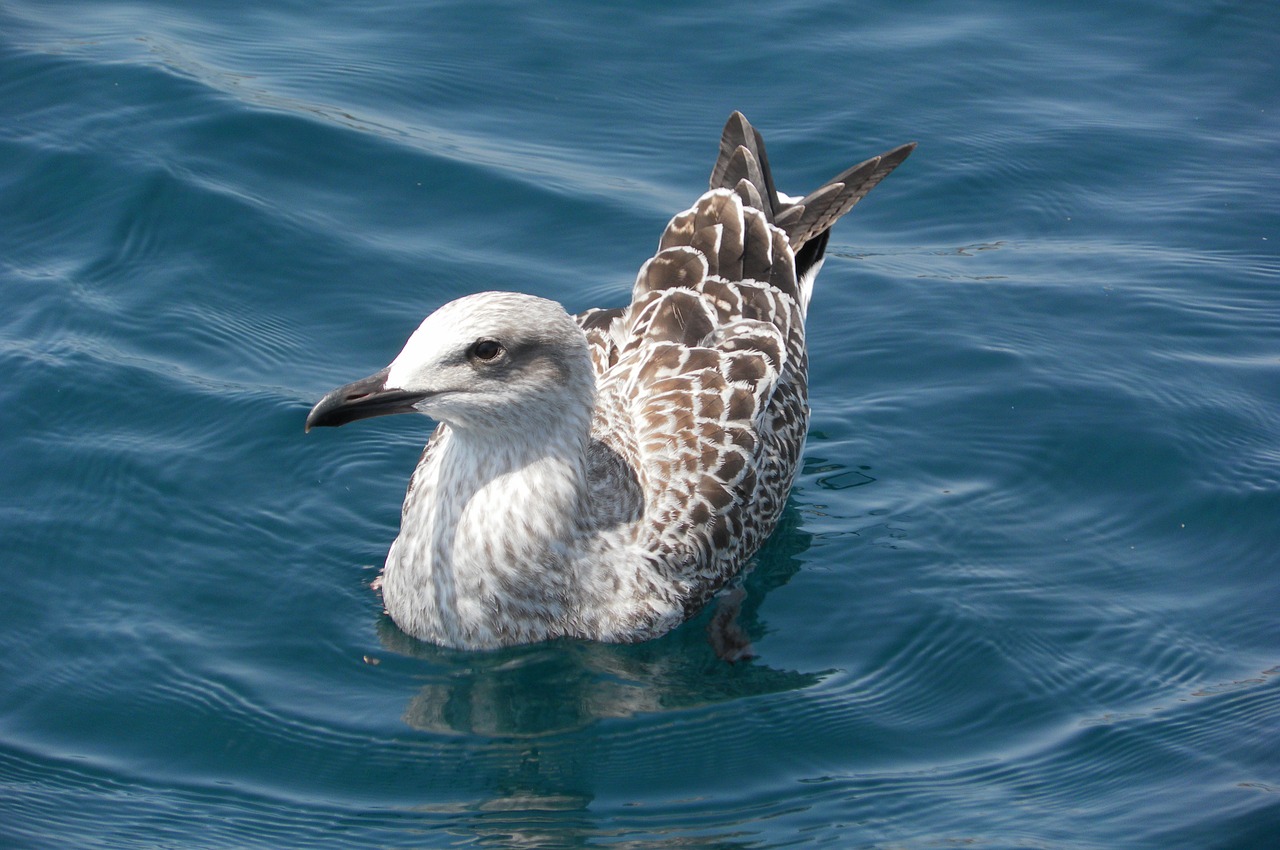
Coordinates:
494	361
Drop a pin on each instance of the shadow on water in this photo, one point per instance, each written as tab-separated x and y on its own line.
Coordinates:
539	728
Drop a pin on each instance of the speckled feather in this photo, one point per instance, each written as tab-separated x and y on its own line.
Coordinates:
629	490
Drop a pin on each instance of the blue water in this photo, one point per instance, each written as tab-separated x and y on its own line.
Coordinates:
1027	591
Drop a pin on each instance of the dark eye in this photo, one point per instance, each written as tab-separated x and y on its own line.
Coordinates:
485	349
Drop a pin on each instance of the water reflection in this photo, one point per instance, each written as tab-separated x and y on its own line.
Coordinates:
562	686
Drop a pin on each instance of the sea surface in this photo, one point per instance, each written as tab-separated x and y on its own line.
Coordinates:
1026	593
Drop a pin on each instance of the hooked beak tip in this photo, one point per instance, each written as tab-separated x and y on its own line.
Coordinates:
362	399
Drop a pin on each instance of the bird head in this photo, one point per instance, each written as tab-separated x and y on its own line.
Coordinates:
490	361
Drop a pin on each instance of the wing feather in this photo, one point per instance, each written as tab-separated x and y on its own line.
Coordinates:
702	379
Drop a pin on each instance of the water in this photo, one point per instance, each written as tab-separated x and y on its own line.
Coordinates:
1025	594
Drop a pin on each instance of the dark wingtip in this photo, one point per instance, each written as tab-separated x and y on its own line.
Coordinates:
818	210
738	133
898	154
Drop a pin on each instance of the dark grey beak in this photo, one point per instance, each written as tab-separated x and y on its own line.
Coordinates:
362	399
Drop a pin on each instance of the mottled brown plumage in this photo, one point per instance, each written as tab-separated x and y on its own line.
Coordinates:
603	476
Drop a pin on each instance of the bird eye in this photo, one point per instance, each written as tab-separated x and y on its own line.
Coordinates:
486	349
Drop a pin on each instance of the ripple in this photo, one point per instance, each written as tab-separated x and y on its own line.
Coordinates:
1020	598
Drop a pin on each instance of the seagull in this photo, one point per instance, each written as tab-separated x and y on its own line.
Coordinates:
603	475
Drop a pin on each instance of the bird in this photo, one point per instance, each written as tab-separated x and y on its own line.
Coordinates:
603	475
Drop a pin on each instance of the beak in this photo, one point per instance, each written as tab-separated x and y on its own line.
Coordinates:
362	399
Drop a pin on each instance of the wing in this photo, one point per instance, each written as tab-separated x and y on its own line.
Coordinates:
703	379
702	387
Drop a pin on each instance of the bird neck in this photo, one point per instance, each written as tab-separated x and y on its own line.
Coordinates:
484	552
522	488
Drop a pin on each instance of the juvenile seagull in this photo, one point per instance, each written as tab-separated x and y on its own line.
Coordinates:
602	475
